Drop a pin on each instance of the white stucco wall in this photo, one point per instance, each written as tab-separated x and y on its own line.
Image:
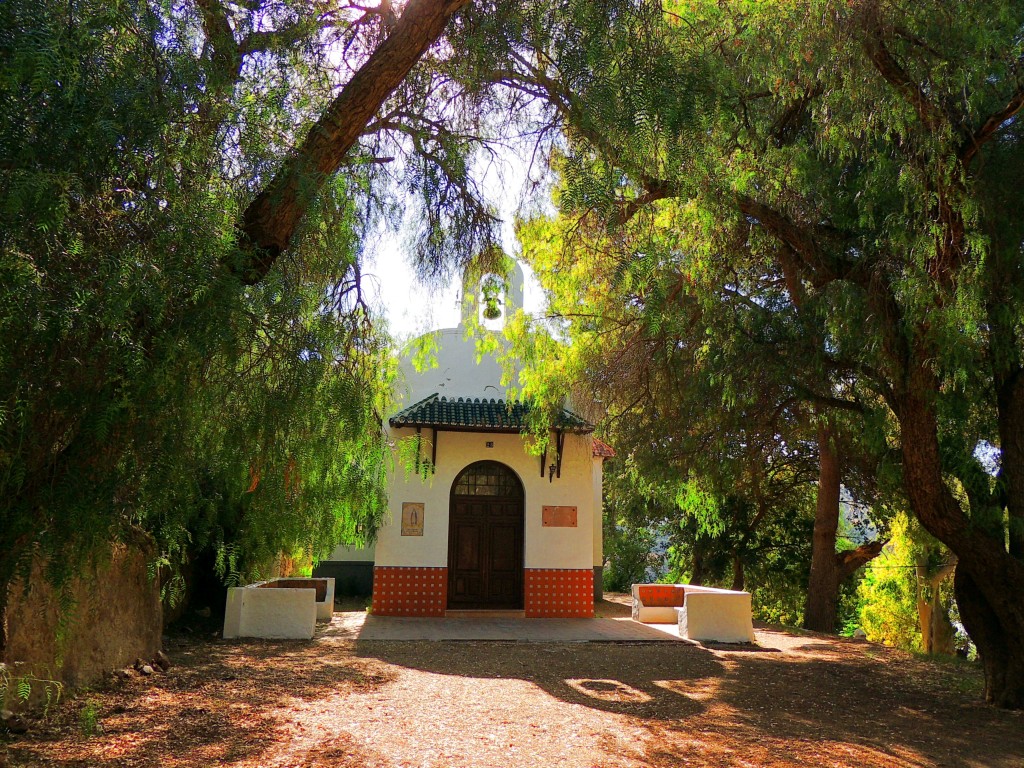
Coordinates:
453	370
278	614
542	547
598	480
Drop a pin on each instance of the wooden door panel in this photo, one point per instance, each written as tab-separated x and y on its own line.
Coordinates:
467	547
502	546
485	553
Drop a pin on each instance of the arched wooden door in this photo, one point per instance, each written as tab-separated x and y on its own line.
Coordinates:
485	538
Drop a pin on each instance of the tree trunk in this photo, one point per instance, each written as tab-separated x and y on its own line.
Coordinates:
5	587
924	624
697	577
271	219
738	577
942	633
989	582
823	586
848	561
1001	653
937	632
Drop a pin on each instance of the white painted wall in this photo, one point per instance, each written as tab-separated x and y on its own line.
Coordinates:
598	481
719	616
278	614
542	547
454	371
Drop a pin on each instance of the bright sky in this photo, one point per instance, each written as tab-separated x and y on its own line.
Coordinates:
412	308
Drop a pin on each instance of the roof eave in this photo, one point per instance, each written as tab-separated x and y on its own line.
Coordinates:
582	430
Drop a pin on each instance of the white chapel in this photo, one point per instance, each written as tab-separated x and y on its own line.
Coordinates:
480	523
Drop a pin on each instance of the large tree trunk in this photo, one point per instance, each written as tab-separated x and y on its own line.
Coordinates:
989	582
4	589
271	219
823	586
999	643
1010	409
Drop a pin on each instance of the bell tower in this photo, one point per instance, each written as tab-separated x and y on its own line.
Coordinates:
492	298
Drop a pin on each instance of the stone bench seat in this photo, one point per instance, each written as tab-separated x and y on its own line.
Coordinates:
701	613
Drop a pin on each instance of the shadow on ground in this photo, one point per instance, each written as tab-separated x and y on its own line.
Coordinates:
725	705
219	705
661	681
802	700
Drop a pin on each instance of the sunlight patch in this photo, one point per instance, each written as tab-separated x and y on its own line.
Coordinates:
609	690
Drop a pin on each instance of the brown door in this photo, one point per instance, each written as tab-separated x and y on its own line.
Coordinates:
485	550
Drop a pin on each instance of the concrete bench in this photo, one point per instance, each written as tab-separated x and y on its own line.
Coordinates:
701	613
279	609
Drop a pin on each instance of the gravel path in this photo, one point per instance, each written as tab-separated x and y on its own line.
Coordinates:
798	700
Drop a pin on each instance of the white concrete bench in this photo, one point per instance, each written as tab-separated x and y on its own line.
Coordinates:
701	613
279	609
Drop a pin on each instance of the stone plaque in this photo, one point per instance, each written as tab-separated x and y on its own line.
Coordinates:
412	518
558	517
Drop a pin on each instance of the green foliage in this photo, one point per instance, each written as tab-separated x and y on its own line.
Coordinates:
628	551
141	385
771	213
895	583
20	686
888	593
88	719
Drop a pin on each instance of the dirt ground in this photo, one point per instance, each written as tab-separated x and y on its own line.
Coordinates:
796	700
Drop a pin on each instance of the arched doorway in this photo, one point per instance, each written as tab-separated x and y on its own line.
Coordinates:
485	538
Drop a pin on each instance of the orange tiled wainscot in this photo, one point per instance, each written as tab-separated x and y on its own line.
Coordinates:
402	591
558	593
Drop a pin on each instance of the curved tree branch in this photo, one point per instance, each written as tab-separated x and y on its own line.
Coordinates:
849	561
271	219
990	127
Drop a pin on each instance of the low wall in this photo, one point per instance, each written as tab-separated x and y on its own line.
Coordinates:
323	589
116	619
701	613
719	616
279	609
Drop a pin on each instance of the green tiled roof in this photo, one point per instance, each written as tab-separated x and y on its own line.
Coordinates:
476	414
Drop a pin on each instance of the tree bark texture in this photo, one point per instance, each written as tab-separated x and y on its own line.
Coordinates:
989	582
738	575
937	633
1002	656
4	588
823	586
850	560
697	577
271	219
